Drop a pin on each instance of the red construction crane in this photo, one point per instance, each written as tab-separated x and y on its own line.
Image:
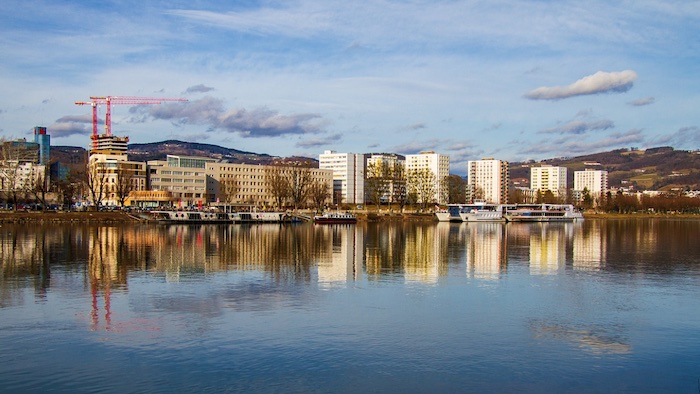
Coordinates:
121	100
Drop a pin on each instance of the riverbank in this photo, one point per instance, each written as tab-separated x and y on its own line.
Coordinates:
124	217
66	217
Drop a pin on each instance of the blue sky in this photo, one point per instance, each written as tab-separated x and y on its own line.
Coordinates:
514	80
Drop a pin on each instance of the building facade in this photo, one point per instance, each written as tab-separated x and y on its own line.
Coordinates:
595	181
249	185
487	180
438	165
348	175
549	178
185	177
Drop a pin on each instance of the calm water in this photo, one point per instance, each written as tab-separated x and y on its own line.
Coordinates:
599	306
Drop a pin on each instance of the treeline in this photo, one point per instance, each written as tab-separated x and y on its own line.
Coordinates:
663	203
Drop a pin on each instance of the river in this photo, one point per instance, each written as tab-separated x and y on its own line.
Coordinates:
597	306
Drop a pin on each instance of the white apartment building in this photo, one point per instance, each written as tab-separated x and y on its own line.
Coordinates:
487	180
438	164
596	181
348	175
549	178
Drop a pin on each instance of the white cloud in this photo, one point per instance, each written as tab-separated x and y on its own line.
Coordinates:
600	82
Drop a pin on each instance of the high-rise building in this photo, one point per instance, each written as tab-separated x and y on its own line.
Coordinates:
435	163
348	175
595	181
487	180
549	178
44	142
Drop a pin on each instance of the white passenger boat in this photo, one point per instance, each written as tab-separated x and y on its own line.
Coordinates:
204	217
478	211
543	213
483	212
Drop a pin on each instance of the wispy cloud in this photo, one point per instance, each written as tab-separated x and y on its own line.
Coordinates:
579	127
199	89
415	147
685	137
600	82
318	142
567	146
642	102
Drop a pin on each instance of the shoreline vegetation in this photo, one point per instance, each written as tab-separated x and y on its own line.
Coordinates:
125	217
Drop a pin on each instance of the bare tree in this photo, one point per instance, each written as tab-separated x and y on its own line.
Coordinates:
228	188
10	171
399	185
319	193
299	180
124	183
96	181
422	184
377	182
39	186
277	185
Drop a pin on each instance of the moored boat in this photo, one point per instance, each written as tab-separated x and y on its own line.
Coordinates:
335	218
204	217
543	213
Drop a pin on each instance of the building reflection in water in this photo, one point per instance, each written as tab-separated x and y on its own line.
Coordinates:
487	252
344	262
327	255
590	247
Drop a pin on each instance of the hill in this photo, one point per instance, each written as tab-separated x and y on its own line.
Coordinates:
660	168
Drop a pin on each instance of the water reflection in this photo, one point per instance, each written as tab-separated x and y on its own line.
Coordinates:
419	304
337	255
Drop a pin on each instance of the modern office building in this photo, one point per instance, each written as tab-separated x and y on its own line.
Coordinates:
438	165
43	140
549	178
184	176
348	175
487	180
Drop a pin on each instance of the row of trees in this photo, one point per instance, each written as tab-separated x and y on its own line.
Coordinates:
389	182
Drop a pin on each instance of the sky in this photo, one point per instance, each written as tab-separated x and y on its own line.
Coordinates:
512	80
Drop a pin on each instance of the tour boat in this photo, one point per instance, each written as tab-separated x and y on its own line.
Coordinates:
543	213
335	218
478	211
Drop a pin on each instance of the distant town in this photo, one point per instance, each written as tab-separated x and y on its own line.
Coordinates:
106	179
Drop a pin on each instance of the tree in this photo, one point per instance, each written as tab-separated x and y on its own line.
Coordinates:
277	185
586	199
124	183
96	181
422	184
228	188
299	180
40	185
456	189
10	171
399	189
377	182
319	193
